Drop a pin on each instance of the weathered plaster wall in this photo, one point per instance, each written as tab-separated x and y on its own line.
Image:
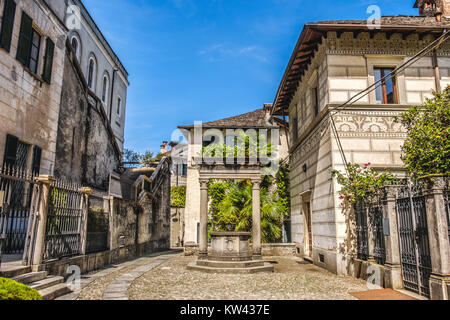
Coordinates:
93	44
29	107
85	151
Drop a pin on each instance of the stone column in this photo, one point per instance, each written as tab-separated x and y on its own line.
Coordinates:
393	269
203	245
256	207
39	248
84	217
438	238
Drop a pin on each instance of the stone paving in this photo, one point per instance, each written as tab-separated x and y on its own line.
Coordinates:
165	277
294	279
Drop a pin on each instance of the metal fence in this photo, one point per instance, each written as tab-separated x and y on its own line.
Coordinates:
379	250
64	221
447	205
362	235
15	197
413	236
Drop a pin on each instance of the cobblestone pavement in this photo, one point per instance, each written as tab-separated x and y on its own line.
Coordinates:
165	277
293	280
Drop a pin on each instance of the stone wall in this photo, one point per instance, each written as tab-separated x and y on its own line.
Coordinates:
86	150
29	106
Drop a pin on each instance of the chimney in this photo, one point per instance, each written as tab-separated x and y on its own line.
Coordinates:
433	8
268	110
164	147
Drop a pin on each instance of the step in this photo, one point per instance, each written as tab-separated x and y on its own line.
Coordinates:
11	272
267	267
54	292
230	264
47	282
31	277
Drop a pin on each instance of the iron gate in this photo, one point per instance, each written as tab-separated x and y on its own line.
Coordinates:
15	198
362	236
379	251
414	243
63	229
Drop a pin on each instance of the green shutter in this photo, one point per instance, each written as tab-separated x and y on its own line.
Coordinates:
48	61
26	33
11	150
9	13
36	165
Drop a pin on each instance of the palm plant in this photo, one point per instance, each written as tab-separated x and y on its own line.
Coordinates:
236	207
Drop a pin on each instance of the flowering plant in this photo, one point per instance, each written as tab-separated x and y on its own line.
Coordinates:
361	182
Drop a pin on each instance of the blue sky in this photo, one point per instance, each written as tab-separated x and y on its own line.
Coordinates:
203	60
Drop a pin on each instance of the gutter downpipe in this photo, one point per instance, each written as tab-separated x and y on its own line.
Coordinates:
112	95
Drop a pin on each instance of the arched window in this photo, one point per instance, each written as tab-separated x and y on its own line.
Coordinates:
91	74
76	46
105	89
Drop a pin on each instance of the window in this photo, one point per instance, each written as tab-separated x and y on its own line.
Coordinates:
9	13
387	92
184	170
48	61
105	88
91	72
119	106
315	100
29	44
294	128
74	44
16	152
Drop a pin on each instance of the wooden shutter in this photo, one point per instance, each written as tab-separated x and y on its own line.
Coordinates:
36	165
9	13
26	33
11	150
48	60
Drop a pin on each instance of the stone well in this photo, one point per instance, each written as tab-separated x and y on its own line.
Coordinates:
231	253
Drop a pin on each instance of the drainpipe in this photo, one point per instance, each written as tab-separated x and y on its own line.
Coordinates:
112	96
437	76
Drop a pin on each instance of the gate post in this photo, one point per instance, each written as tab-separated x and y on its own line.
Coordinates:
393	269
86	191
38	255
438	237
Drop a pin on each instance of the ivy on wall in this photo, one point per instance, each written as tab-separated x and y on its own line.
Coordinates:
178	196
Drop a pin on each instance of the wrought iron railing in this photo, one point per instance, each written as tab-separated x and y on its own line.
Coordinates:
15	197
63	230
447	205
362	236
379	251
414	244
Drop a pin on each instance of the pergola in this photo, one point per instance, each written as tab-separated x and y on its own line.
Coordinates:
230	172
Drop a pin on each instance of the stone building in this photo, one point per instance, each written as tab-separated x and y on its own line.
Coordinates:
259	119
105	75
178	172
32	54
333	61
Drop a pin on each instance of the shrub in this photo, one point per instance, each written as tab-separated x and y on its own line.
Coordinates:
178	196
12	290
427	147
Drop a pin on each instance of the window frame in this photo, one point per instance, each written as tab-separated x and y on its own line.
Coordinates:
384	87
91	82
105	88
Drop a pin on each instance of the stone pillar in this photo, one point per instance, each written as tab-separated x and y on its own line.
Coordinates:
438	238
39	248
393	269
203	245
256	207
84	217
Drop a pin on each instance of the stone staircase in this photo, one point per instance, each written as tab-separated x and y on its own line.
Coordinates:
49	287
